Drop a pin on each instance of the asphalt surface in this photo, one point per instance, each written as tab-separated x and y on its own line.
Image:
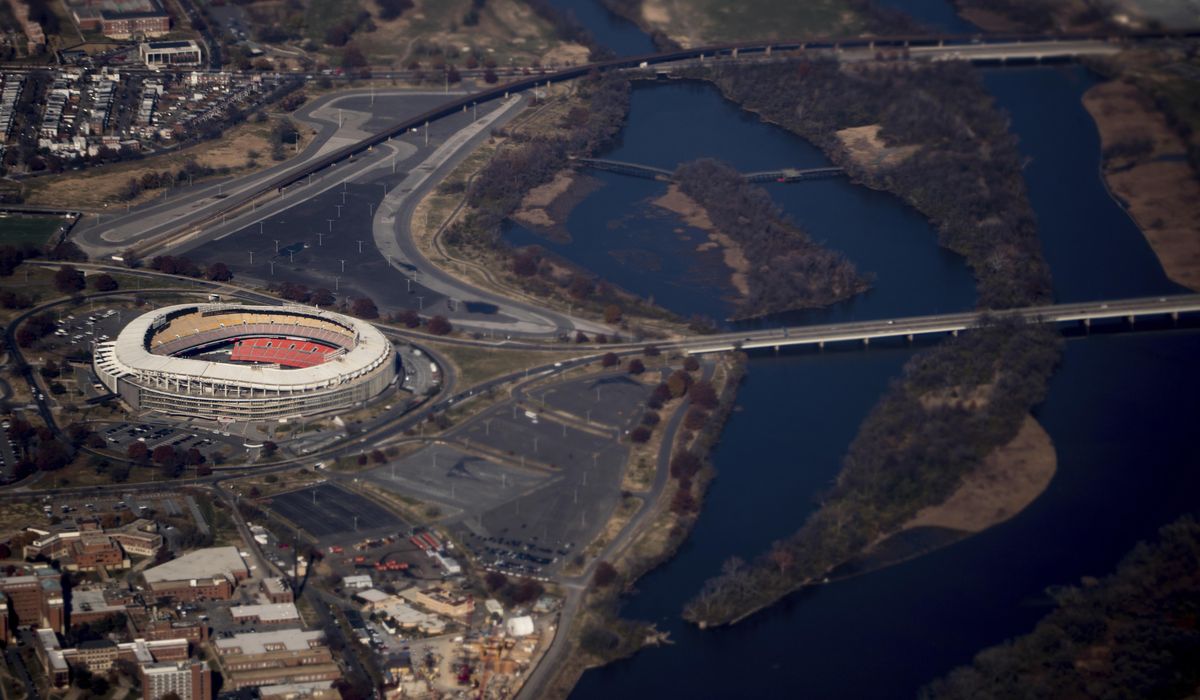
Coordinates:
112	234
328	509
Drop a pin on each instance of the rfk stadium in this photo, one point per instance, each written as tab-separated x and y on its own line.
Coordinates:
231	362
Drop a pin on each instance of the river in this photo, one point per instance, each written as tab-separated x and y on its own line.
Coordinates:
1120	408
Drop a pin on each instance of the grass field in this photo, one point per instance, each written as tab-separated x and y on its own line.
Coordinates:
323	14
695	22
31	230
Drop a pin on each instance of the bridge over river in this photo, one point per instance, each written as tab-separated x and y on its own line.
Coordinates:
1083	313
652	173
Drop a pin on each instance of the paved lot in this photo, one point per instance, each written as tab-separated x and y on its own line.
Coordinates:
450	477
544	442
325	240
521	521
615	400
327	509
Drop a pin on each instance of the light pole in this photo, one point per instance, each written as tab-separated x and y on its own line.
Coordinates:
360	246
320	239
276	246
252	257
343	265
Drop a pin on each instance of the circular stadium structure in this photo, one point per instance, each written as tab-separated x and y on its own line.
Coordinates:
232	362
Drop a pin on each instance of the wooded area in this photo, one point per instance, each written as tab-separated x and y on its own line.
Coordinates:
965	174
788	270
954	405
1132	634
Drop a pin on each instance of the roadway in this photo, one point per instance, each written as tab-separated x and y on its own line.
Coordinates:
866	331
182	207
933	47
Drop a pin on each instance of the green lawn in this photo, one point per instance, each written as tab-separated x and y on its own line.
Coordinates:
21	230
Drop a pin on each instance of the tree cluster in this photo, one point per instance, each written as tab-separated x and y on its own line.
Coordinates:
1132	634
788	270
909	453
965	174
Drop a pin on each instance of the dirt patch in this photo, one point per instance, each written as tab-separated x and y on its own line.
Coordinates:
98	187
1009	479
547	207
989	21
543	196
1153	181
695	216
567	55
865	147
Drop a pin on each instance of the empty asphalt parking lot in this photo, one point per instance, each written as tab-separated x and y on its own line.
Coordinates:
613	400
327	509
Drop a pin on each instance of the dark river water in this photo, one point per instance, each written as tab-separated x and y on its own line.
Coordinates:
1121	408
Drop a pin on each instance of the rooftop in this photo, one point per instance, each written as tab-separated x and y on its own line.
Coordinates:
294	639
270	612
372	595
202	563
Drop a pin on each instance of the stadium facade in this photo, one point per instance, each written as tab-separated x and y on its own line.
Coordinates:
234	362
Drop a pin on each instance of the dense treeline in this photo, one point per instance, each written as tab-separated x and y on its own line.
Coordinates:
954	405
1131	635
788	270
965	174
530	161
1042	15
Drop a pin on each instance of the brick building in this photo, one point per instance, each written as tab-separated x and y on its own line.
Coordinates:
190	680
205	574
273	658
35	599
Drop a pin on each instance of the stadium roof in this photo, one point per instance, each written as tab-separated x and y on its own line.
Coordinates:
370	346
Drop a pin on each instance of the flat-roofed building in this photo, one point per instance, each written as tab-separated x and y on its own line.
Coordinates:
35	599
205	574
277	590
441	601
190	680
277	657
321	690
269	613
50	653
159	54
90	604
85	546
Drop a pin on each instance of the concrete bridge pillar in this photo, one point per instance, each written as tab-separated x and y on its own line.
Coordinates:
1131	318
954	332
1087	323
866	342
768	51
733	53
821	344
1175	316
910	337
776	349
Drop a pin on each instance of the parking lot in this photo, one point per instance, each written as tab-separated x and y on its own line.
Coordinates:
615	400
327	509
121	435
522	520
81	329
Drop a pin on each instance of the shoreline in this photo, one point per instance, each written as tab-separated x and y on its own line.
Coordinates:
1144	168
1028	463
656	542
